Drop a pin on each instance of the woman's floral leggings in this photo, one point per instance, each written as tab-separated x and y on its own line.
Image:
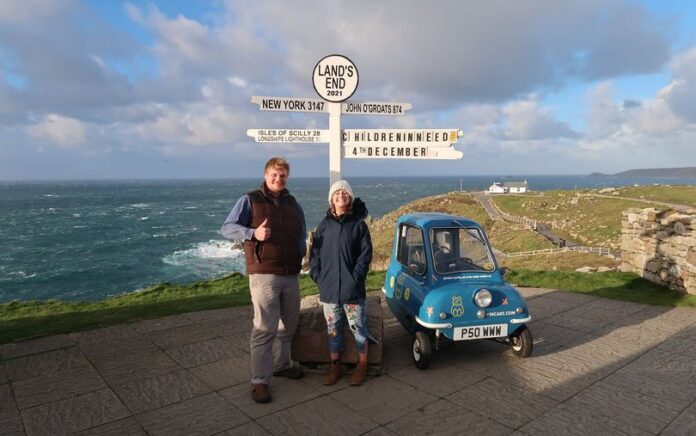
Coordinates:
357	320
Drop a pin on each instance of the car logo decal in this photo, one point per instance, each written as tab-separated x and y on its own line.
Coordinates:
457	306
391	282
505	302
397	293
407	294
430	311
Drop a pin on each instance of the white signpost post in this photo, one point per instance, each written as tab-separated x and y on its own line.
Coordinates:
335	78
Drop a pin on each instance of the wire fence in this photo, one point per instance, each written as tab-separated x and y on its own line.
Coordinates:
602	251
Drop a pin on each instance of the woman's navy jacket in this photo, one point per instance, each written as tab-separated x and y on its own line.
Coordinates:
341	256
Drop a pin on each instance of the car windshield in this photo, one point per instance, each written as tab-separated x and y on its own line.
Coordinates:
459	250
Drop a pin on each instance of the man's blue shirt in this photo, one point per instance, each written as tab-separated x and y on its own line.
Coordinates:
236	226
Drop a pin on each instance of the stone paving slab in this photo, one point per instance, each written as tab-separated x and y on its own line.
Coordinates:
446	418
204	415
10	421
179	336
248	429
383	399
544	307
623	409
45	364
549	337
34	346
199	353
45	389
502	402
153	392
159	324
441	379
594	315
238	313
128	426
101	350
74	414
599	367
286	393
224	373
3	374
135	366
684	424
321	415
669	378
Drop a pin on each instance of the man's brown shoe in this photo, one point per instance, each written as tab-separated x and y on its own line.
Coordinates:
333	374
290	372
359	375
259	393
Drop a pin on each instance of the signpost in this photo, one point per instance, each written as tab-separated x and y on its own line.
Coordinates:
306	136
335	78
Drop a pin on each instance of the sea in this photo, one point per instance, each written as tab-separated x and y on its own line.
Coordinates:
91	240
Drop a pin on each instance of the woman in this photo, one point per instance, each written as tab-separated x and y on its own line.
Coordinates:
341	256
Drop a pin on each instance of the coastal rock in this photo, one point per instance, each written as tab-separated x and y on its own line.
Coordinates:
586	269
659	246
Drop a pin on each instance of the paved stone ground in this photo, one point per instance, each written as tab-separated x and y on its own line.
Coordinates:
599	367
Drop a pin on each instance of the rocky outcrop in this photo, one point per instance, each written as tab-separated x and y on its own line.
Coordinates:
660	246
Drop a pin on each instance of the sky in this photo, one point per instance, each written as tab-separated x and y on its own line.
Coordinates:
107	89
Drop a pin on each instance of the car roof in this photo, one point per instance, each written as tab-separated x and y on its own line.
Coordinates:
434	219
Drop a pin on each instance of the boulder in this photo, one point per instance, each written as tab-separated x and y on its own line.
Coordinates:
310	345
586	269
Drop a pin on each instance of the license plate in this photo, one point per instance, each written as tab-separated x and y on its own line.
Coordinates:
480	332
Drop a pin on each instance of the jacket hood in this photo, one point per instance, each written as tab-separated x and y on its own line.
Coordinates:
358	211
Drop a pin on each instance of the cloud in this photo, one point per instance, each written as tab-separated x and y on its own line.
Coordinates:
484	67
680	95
62	131
527	121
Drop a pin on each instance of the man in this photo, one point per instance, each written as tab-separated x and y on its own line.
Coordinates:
271	223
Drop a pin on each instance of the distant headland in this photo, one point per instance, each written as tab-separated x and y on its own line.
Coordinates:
675	173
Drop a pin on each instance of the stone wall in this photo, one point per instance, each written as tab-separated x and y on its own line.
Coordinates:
660	246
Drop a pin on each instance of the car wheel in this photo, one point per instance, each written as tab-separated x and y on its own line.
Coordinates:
521	342
422	350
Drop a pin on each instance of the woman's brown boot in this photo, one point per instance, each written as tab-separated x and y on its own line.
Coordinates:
333	374
359	374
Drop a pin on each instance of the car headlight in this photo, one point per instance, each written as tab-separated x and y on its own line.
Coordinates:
483	298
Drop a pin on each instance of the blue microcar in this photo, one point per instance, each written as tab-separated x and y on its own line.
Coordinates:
443	280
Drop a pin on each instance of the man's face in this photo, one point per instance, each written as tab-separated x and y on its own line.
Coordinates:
276	179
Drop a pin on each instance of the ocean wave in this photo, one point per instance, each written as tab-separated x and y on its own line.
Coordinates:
139	205
143	218
213	249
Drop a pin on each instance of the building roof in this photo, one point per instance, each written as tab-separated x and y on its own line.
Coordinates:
516	184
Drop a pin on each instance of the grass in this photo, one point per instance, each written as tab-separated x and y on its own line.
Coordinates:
612	284
569	261
593	221
23	320
680	194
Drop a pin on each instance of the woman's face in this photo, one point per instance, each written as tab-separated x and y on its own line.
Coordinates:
340	199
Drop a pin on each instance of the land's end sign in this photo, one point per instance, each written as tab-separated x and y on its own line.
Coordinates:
335	78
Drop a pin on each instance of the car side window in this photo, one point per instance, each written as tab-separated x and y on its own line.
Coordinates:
410	251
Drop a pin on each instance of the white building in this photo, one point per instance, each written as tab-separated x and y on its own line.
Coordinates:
508	187
496	188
